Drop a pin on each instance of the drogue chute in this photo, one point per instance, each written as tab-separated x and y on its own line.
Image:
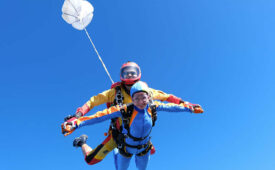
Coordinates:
79	13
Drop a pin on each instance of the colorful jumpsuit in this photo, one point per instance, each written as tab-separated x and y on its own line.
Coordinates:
140	127
108	96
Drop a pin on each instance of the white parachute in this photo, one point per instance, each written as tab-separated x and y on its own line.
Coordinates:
79	13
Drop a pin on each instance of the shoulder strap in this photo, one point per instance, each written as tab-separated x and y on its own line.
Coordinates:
119	97
117	101
126	115
153	108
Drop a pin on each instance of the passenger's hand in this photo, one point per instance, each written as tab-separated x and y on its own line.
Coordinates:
68	118
68	127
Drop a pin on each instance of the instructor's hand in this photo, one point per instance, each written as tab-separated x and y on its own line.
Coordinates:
197	109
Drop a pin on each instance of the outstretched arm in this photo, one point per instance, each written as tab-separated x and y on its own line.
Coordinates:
100	116
160	95
112	112
170	107
101	98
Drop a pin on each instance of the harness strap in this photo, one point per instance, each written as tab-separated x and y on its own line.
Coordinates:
124	153
117	101
138	146
126	116
148	147
145	151
153	108
135	138
118	97
120	137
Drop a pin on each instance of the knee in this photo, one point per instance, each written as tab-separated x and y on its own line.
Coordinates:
91	160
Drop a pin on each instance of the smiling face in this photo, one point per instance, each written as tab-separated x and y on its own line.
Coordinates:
140	100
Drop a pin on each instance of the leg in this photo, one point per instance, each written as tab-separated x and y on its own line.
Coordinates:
115	153
93	156
81	142
142	161
99	153
121	162
86	149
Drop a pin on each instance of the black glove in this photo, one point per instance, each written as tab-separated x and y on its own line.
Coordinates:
181	101
77	115
68	118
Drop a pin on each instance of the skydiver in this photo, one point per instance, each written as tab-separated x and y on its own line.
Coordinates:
119	94
134	135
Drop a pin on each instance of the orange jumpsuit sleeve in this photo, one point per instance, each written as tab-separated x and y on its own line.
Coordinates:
100	116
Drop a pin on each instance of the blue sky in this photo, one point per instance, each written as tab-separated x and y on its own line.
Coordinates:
219	54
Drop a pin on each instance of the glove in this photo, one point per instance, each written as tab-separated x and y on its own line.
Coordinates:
68	127
195	108
198	109
181	101
77	115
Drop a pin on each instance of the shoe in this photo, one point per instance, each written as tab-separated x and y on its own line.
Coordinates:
79	141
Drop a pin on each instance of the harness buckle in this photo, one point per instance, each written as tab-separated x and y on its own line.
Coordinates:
126	121
126	136
119	146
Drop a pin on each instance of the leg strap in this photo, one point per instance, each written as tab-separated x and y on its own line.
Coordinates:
146	150
123	151
138	146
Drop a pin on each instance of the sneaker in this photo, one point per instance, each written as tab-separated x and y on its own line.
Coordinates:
79	141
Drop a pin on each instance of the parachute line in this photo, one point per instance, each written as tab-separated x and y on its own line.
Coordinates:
98	55
82	9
